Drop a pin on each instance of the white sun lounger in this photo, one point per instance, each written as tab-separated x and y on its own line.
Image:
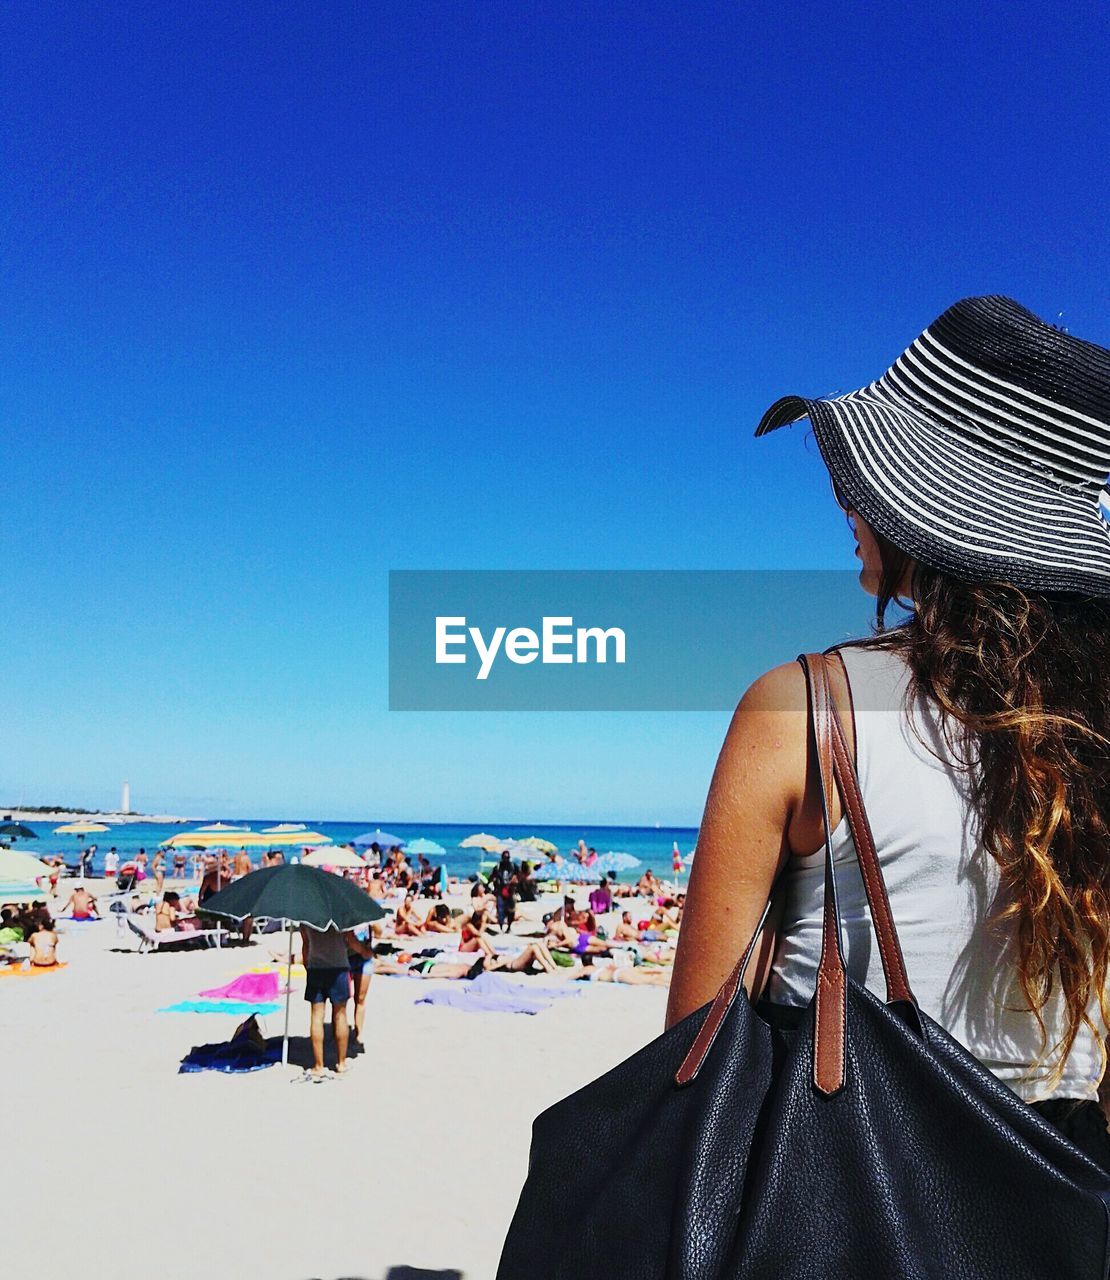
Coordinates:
151	939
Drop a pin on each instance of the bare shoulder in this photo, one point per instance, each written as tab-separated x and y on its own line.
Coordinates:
770	717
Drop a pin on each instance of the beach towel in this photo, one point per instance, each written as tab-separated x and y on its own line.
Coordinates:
32	971
248	986
235	1055
281	969
238	1007
495	993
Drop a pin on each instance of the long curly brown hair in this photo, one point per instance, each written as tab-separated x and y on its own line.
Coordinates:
1025	677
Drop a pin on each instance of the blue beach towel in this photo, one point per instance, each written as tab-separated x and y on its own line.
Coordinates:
231	1057
238	1007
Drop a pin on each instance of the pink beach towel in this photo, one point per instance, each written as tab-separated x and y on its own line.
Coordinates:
248	986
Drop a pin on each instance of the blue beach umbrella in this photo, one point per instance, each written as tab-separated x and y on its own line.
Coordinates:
425	847
381	838
575	873
616	862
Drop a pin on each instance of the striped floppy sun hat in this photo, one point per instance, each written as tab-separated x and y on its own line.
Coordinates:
983	451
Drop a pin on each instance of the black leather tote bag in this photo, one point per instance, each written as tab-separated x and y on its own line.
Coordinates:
863	1143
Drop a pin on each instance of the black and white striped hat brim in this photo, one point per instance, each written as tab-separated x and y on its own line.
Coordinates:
983	451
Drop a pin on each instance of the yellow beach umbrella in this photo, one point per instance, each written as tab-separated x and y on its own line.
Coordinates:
337	857
536	842
81	828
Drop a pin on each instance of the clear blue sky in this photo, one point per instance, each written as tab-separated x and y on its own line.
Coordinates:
295	294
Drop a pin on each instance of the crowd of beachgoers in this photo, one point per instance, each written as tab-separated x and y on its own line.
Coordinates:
503	919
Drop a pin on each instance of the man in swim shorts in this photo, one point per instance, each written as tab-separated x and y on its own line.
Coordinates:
81	905
327	981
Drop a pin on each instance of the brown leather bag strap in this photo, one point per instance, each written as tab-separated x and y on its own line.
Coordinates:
834	762
722	1002
830	1029
890	949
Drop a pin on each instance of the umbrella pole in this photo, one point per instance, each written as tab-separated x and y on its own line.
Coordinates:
288	992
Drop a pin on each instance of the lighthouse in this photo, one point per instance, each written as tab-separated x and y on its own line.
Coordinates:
125	798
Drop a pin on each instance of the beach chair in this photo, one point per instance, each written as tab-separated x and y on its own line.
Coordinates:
151	939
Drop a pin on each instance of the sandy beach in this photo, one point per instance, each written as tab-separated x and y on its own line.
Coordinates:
408	1167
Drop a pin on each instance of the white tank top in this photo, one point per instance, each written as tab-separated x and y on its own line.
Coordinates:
943	887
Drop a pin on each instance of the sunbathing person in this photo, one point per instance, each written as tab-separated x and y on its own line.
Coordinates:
626	931
665	918
406	922
474	934
439	920
557	933
169	915
81	905
633	975
535	954
44	945
647	886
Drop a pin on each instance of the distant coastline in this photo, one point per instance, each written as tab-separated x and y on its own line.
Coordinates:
70	815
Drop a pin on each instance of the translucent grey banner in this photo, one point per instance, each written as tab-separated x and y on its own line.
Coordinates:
609	640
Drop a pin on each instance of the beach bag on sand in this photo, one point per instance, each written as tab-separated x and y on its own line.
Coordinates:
853	1139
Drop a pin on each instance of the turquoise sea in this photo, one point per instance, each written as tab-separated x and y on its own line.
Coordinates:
652	845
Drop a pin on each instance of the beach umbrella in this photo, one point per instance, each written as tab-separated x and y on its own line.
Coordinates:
15	865
482	840
575	873
298	895
222	838
616	862
16	831
544	846
81	829
334	857
302	837
15	891
425	847
20	874
381	838
552	870
518	850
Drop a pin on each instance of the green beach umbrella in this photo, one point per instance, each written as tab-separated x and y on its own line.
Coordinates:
298	895
16	831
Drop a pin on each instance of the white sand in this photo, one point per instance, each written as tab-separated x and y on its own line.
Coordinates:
119	1167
